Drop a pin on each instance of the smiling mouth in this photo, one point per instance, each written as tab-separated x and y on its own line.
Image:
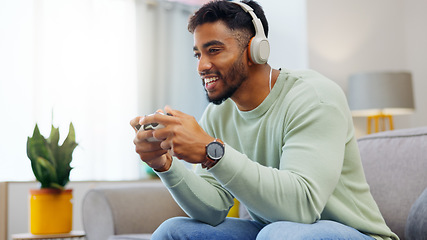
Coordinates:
210	82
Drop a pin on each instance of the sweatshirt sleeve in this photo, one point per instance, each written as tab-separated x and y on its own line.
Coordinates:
310	167
200	196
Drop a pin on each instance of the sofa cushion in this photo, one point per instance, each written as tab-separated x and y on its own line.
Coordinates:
395	164
132	208
131	237
416	225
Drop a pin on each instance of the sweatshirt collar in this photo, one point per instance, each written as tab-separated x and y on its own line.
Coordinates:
268	101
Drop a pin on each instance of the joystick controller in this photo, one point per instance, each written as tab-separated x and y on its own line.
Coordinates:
152	126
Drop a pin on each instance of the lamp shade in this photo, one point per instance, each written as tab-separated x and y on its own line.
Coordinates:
380	93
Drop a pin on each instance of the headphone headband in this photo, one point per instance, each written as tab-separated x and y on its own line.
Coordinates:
259	47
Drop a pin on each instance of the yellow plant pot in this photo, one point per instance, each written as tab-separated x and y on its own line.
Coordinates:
51	211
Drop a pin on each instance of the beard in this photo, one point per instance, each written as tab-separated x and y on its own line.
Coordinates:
233	79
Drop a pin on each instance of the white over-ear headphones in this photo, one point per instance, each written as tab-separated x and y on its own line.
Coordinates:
259	47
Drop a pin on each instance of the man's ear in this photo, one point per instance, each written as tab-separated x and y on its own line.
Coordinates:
249	61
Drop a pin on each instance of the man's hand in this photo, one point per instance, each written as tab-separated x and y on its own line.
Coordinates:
182	136
150	152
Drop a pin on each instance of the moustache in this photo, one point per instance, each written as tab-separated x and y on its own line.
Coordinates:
209	72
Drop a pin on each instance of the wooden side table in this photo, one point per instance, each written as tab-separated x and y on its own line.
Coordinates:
70	235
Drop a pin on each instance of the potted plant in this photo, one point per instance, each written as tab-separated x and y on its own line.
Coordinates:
50	206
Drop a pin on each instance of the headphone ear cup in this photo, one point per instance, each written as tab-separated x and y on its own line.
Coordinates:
259	49
250	50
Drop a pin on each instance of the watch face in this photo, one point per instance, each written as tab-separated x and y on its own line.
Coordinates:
215	150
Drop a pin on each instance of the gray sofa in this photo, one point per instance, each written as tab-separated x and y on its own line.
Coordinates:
395	164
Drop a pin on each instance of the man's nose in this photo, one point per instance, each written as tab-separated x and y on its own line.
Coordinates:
204	64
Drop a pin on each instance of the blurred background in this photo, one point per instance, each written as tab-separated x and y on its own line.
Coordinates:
100	63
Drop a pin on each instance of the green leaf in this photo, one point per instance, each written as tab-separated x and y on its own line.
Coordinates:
53	139
37	147
53	144
46	170
66	155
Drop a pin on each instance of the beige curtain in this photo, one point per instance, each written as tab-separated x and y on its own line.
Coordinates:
97	63
167	70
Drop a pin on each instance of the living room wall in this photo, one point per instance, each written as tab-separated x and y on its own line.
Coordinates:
346	37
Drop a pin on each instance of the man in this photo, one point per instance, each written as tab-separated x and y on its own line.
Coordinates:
280	141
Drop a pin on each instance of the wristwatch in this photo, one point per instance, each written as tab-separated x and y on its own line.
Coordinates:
214	152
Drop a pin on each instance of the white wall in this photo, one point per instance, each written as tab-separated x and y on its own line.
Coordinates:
287	34
345	37
416	55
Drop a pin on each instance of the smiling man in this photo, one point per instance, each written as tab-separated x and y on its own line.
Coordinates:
226	55
280	141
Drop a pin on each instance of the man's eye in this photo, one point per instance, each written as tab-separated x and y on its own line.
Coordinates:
197	55
213	50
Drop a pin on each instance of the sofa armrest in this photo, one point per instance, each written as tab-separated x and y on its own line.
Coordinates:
395	166
129	209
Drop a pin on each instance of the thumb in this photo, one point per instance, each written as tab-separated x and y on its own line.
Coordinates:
175	113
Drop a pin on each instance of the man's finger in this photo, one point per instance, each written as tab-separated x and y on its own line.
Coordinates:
143	135
150	156
173	112
163	119
135	123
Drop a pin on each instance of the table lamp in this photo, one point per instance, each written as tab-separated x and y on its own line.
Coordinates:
380	95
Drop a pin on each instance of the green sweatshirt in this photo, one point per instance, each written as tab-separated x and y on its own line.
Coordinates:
293	158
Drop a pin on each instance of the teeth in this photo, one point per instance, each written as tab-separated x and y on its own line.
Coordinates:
209	80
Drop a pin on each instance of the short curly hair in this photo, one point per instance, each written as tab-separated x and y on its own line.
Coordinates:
232	15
